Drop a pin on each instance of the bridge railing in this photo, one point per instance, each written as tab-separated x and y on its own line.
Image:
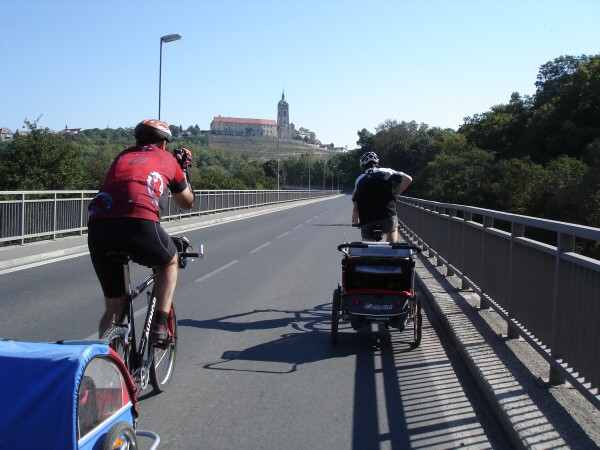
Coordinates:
25	215
529	271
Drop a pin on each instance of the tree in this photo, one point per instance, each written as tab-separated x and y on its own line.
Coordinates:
365	139
40	160
518	186
406	146
459	173
215	177
553	75
500	130
569	120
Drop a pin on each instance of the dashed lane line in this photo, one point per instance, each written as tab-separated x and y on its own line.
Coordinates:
259	248
216	271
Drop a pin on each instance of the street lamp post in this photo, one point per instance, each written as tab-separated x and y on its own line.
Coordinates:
278	135
309	155
167	38
332	176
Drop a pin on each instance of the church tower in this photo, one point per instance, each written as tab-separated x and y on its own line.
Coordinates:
283	118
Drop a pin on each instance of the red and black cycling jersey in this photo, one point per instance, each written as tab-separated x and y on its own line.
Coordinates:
135	182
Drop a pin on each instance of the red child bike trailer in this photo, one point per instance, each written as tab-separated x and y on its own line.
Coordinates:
66	395
377	286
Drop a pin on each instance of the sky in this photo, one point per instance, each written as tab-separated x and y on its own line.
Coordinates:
343	65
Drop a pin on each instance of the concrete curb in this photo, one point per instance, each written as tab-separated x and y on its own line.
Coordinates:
39	257
488	360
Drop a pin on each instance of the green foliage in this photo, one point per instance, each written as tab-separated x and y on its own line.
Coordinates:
499	130
215	177
518	186
40	160
406	146
365	139
459	173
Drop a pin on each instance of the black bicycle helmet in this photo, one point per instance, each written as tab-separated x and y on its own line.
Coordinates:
151	131
368	157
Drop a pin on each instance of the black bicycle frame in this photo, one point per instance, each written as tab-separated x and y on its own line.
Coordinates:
128	314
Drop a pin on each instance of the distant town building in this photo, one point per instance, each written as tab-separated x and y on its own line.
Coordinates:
69	131
235	126
6	134
286	129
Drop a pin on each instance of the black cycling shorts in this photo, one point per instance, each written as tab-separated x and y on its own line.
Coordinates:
388	224
146	241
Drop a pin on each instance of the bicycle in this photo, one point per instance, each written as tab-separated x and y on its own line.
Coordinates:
146	362
377	232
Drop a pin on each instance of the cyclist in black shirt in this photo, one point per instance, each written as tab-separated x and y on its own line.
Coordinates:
374	196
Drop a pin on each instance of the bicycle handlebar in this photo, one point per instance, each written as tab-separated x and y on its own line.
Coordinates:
198	254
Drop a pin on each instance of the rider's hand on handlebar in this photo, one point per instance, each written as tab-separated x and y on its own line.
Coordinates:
183	156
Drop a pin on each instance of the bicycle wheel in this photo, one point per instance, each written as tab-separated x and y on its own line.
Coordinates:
120	435
163	362
417	318
335	314
115	336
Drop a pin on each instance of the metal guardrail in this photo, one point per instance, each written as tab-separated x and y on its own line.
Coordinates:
25	215
548	294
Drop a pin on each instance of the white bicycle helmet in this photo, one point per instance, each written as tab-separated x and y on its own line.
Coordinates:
368	157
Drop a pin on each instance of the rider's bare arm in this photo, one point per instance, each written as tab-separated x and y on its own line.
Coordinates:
406	180
355	219
185	199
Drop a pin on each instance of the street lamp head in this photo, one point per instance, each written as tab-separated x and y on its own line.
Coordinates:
170	38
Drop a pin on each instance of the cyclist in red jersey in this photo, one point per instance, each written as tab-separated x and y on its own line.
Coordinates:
125	215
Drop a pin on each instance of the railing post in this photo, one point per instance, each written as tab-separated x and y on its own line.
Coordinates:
23	219
54	214
451	213
439	212
81	214
565	243
467	217
488	222
516	230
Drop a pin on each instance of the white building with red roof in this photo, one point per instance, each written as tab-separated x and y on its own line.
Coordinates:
236	126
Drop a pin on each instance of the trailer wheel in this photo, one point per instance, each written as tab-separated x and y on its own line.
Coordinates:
120	436
417	318
335	313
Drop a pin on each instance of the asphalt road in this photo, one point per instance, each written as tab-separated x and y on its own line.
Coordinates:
256	368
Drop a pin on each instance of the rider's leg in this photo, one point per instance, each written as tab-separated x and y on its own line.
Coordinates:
392	236
113	306
166	280
164	288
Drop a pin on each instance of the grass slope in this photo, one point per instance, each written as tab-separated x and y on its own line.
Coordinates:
261	148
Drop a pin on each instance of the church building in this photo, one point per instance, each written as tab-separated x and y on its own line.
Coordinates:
235	126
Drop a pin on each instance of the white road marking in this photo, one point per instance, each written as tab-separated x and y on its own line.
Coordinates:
258	248
41	263
214	272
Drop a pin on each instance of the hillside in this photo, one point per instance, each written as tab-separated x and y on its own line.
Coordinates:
261	148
